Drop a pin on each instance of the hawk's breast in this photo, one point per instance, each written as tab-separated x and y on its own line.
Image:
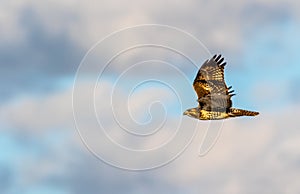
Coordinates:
212	115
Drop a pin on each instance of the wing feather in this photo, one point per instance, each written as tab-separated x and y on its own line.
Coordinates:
210	86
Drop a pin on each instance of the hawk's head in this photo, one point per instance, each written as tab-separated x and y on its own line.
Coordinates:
192	112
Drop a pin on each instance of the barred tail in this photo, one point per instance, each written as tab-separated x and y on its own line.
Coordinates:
234	112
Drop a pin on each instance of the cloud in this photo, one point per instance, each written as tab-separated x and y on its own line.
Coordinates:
42	45
32	64
85	23
250	153
42	42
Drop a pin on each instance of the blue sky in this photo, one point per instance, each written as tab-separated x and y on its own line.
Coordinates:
42	45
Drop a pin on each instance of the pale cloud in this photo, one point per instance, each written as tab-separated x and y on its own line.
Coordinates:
252	154
40	114
218	24
249	152
51	37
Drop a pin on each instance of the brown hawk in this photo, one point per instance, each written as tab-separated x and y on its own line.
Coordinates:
214	97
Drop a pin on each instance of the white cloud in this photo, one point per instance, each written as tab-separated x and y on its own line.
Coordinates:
39	114
251	152
218	24
264	147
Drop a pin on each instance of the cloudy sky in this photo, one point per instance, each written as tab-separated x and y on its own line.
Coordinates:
92	95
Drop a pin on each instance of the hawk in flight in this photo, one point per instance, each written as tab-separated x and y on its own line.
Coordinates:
214	97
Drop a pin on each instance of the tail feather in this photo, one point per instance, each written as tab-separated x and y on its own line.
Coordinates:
234	112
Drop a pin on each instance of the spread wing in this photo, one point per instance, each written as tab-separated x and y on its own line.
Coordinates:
209	84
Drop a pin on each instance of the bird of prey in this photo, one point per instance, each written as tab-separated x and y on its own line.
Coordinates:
214	97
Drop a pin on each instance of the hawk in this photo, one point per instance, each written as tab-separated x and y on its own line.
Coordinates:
214	97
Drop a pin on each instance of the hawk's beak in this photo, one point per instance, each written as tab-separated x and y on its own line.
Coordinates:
185	112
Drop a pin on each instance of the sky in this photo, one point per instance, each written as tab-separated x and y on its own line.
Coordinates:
92	95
